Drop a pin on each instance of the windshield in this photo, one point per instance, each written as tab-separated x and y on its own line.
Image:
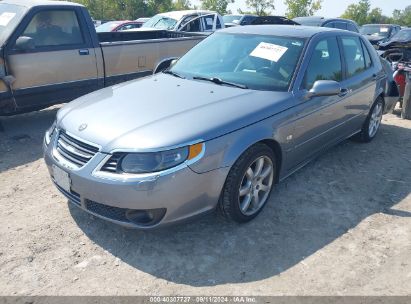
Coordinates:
231	18
375	30
107	27
258	62
10	16
403	35
161	22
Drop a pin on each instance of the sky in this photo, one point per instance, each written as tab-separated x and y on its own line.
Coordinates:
330	8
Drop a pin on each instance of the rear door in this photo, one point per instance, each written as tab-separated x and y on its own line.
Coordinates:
359	80
60	66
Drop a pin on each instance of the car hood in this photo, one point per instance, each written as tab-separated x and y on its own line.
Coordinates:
375	39
163	111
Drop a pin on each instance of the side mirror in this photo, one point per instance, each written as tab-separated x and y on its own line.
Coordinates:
324	88
165	64
24	43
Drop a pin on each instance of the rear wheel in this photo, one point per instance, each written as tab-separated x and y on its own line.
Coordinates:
372	123
249	184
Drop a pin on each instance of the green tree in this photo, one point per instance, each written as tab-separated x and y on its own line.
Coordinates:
376	16
115	9
219	6
302	8
402	17
179	5
260	7
358	12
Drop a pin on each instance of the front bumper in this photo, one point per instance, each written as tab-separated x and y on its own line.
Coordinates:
181	194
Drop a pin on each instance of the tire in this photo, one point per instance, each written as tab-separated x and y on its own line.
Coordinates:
233	202
373	120
406	102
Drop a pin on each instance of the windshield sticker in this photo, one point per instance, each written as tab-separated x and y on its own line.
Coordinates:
5	18
296	43
269	51
384	30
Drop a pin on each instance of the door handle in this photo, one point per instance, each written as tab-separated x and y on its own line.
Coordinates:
344	92
84	52
374	76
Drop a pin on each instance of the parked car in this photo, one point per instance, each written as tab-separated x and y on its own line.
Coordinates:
241	111
379	33
238	19
118	26
400	40
50	53
185	21
256	20
339	23
273	20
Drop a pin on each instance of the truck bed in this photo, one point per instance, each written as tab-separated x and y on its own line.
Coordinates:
130	55
146	35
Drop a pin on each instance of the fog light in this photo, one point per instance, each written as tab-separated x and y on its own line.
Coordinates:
145	217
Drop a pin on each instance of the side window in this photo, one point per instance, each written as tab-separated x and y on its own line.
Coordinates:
353	55
367	57
218	26
341	25
329	24
129	26
351	27
208	22
54	28
193	25
247	20
325	63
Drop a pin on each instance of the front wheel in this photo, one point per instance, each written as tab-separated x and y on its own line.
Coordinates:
249	184
372	123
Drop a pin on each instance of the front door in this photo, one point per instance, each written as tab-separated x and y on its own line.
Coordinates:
317	119
60	63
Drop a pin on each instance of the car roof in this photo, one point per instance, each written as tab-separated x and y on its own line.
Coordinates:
321	19
180	14
31	3
381	24
281	30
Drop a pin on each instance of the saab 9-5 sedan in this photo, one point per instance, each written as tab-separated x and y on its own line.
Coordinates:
217	129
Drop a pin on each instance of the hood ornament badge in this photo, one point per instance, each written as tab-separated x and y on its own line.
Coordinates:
82	127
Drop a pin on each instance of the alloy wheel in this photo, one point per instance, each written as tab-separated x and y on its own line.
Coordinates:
256	185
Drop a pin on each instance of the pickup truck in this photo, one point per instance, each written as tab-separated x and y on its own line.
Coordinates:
50	53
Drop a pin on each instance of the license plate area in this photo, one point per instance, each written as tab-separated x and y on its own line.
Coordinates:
62	178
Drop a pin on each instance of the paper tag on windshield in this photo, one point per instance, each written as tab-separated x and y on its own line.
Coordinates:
384	30
5	18
269	51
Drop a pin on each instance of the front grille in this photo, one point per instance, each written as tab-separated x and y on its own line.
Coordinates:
112	165
72	196
114	213
73	150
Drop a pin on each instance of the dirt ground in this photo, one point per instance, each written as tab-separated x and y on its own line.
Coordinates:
339	226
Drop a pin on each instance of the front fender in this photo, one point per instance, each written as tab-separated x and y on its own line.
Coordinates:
224	151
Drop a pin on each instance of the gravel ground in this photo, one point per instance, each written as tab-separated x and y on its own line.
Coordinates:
339	226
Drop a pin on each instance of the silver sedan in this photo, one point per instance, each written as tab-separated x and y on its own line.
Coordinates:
240	112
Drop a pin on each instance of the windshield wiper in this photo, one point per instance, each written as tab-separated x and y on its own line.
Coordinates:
219	81
173	73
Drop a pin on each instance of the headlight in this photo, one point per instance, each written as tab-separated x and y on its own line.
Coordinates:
49	133
158	161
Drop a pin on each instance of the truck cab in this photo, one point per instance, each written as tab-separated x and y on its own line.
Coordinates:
50	53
